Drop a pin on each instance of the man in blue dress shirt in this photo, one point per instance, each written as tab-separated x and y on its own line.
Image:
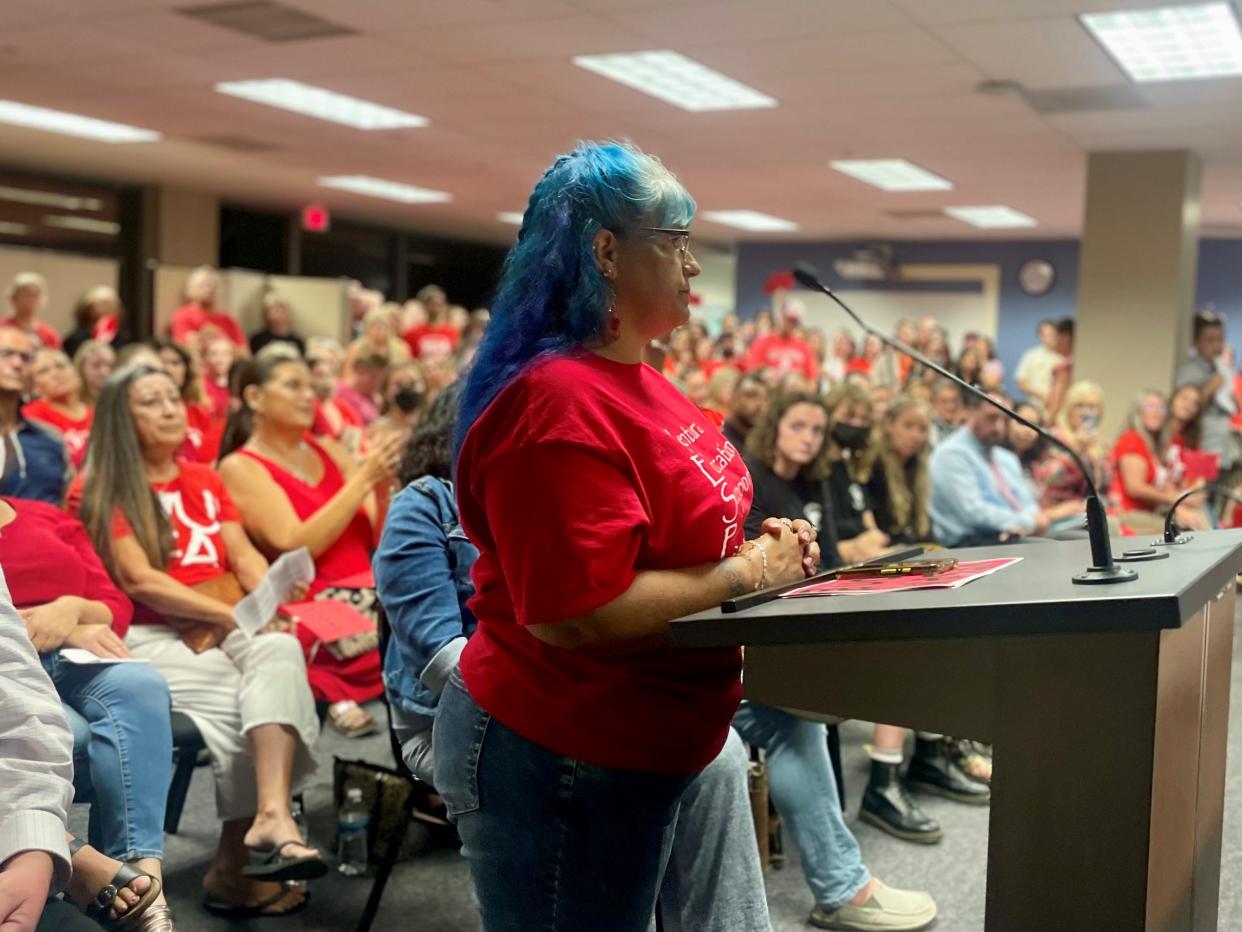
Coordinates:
979	493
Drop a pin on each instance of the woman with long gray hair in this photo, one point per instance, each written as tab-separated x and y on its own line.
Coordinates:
169	535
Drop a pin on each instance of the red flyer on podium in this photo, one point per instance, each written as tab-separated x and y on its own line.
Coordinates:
955	578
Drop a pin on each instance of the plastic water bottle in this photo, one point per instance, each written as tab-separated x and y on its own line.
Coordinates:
351	834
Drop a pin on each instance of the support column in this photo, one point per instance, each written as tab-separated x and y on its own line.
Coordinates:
1136	279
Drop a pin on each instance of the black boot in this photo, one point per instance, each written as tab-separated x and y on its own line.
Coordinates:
932	771
888	807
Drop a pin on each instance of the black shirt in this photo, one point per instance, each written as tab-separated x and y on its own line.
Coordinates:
850	502
793	498
881	506
733	435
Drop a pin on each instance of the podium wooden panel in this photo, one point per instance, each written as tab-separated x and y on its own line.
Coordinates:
1107	708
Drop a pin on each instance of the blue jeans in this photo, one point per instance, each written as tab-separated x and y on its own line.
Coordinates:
554	845
128	751
804	792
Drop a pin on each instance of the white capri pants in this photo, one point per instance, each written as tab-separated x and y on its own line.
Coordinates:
227	691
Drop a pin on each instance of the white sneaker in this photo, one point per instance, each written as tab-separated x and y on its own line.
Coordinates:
887	910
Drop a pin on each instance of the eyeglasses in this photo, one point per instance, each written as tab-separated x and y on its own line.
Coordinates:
681	239
27	358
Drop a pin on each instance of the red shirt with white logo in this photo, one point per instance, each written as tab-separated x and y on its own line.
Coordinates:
75	431
198	506
432	340
581	474
783	354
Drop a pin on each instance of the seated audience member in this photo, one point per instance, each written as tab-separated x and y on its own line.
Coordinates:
290	492
219	353
360	300
861	364
27	299
907	333
33	460
1146	481
979	493
362	388
99	316
458	318
937	351
66	599
1030	446
1183	435
849	441
435	337
900	481
405	401
992	375
335	418
969	366
1037	365
948	409
170	536
720	389
1062	371
1050	471
422	570
441	372
1210	369
59	403
202	430
750	399
378	338
694	385
277	326
785	351
199	318
836	365
1057	476
413	314
94	362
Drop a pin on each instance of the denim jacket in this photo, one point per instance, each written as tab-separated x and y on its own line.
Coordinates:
422	573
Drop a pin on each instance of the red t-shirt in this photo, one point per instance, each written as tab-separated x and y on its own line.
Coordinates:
45	332
75	431
783	354
46	554
350	554
189	319
197	505
217	399
432	340
580	474
203	434
1131	442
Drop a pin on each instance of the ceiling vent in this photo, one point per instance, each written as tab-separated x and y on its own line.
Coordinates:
262	19
1086	99
237	143
915	215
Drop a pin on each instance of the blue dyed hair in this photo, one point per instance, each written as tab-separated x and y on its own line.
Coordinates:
552	296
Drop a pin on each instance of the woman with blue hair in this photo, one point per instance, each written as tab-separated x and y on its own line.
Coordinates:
603	505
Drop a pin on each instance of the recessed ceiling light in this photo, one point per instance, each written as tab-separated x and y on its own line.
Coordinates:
1171	43
750	220
511	216
13	229
320	103
49	199
676	80
72	124
387	190
991	217
892	174
85	224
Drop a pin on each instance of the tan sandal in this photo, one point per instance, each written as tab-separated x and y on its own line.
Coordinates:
340	712
156	919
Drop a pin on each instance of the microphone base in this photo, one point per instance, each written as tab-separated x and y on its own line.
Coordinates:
1105	575
1180	539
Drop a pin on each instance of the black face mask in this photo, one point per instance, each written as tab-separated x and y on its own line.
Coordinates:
851	436
407	398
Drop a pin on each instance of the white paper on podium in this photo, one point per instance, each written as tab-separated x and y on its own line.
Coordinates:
84	658
258	608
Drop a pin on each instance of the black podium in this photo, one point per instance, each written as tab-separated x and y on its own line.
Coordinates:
1107	707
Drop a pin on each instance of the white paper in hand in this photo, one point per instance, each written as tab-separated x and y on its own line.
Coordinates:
77	655
258	608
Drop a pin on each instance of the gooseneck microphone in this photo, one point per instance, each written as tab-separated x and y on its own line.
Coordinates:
1172	533
1103	568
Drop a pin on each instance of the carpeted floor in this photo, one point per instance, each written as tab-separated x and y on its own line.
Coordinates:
430	893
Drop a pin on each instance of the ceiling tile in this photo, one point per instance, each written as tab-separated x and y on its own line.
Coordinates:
560	38
1037	53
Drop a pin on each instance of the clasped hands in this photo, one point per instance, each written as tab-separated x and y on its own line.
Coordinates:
790	550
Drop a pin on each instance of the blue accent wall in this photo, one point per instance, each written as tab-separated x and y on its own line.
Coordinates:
1219	282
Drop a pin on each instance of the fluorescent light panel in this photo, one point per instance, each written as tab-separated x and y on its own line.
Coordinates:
750	220
892	174
991	217
511	216
320	103
675	79
49	199
384	189
1171	43
72	124
84	224
13	229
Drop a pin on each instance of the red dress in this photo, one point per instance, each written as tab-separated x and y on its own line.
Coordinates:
358	678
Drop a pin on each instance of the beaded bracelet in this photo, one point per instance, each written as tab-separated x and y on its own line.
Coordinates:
763	574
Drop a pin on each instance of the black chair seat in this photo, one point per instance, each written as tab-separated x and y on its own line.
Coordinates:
188	745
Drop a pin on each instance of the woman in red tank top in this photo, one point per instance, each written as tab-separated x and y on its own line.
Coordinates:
293	492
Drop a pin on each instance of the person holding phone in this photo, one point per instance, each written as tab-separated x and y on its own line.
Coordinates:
1059	483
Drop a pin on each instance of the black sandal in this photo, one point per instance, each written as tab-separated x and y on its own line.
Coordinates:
260	910
270	864
104	903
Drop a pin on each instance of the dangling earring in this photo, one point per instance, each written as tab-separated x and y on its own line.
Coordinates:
613	322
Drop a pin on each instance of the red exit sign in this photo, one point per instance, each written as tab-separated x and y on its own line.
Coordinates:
315	218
